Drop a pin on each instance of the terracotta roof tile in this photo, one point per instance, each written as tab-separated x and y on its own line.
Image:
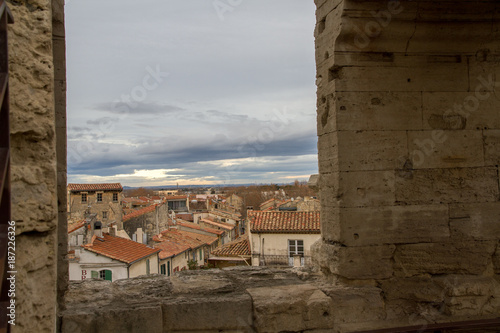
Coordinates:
139	212
284	222
95	187
173	241
222	225
199	227
185	216
120	249
236	248
75	226
269	201
176	197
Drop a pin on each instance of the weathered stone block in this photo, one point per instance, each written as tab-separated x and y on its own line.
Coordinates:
379	111
368	262
460	110
330	226
455	37
207	312
480	221
413	289
445	149
141	319
425	77
454	185
357	36
393	225
496	260
356	304
328	158
80	322
371	150
467	285
492	147
366	188
195	283
443	258
326	116
291	308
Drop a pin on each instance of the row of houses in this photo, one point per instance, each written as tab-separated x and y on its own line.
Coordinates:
157	239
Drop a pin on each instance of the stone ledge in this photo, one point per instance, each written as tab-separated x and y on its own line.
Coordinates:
265	299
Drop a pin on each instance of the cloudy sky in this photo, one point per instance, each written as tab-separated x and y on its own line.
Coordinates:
162	92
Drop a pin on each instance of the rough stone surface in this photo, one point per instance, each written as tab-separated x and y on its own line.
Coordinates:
34	164
478	221
291	308
393	225
406	96
444	258
436	186
408	128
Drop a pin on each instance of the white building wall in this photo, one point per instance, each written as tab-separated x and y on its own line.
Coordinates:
277	244
90	261
140	267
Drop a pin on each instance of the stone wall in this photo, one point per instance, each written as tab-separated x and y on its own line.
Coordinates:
152	223
38	159
408	128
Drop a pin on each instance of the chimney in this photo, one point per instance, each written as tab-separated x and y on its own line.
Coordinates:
98	229
112	231
139	235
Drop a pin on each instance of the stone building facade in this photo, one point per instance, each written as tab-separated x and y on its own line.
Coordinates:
408	129
104	200
152	220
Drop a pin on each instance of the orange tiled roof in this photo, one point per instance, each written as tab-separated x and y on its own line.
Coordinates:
170	248
222	225
284	203
285	222
176	197
225	213
173	241
120	249
185	216
139	212
75	226
95	187
236	248
199	227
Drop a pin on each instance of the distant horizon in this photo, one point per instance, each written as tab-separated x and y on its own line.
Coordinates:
203	185
177	91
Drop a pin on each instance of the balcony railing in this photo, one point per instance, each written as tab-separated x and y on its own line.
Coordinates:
281	260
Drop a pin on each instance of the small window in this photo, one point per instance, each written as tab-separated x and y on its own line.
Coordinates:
163	269
105	274
104	215
201	255
147	267
295	247
99	197
84	197
115	197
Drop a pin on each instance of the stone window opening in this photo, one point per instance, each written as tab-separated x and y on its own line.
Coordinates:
383	250
115	197
99	197
84	197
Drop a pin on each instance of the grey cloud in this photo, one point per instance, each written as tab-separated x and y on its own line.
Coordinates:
102	121
137	108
